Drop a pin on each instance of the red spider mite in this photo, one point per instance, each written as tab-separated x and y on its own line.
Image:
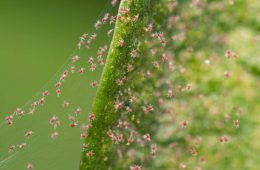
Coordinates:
58	92
85	146
89	126
72	118
7	118
130	67
72	69
28	134
120	137
184	124
83	36
100	62
56	124
78	111
54	135
58	84
127	20
94	83
53	119
129	141
112	19
11	148
113	2
83	135
227	117
128	109
188	87
170	93
133	134
105	18
227	74
81	70
118	105
236	123
45	93
133	53
89	154
121	43
119	17
9	122
164	57
41	101
109	32
149	28
83	127
65	104
228	54
136	17
75	58
29	166
98	23
135	167
147	137
93	67
93	36
21	146
91	116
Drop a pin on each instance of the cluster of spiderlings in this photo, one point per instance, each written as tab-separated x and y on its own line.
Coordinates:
18	113
139	107
152	72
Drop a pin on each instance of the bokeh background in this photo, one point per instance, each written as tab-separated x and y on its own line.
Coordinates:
37	37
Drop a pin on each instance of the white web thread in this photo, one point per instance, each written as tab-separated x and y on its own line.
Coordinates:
49	82
65	65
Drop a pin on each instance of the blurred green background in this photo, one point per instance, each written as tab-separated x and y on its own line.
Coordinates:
37	37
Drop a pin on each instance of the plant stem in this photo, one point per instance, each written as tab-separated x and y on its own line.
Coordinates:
116	66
